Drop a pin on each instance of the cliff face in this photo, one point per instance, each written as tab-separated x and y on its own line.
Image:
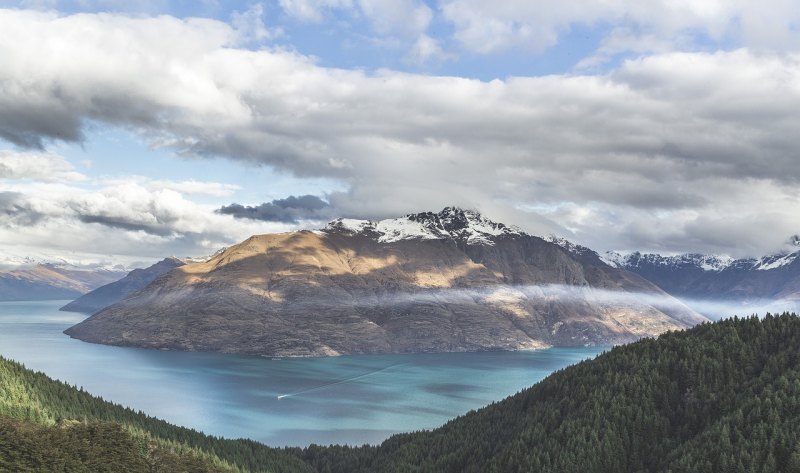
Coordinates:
365	288
114	292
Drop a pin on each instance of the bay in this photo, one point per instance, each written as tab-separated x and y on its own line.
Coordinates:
281	402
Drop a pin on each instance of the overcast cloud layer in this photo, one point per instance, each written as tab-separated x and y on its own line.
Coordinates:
671	151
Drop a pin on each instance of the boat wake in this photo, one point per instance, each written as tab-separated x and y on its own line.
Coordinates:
336	383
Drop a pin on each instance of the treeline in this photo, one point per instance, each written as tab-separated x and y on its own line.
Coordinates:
721	397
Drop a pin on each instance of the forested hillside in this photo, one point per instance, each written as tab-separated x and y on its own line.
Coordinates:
722	397
48	426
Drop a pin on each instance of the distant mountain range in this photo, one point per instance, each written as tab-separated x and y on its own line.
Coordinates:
704	282
712	277
114	292
51	282
446	281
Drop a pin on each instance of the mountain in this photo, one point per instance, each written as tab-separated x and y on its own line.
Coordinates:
721	397
114	292
446	281
773	279
51	282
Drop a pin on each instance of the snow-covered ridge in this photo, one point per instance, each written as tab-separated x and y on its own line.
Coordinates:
715	263
451	223
636	259
775	261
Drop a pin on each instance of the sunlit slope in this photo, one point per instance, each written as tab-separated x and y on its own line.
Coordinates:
327	293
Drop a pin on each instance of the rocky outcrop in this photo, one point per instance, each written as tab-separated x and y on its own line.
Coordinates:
450	281
114	292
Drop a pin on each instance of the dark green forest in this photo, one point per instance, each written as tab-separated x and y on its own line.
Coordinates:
48	426
721	397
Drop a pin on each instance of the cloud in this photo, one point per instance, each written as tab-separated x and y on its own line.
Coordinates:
312	10
426	49
292	209
397	24
15	211
484	28
133	219
672	151
214	189
45	167
385	17
250	25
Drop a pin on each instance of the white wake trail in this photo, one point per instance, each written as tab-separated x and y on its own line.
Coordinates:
341	381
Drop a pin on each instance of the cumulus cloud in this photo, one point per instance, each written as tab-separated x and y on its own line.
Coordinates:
674	150
426	49
292	209
129	218
396	23
250	25
487	27
37	166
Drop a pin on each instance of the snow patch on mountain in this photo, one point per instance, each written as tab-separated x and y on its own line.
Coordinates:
454	223
776	261
613	259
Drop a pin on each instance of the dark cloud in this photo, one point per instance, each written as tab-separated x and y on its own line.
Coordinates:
15	209
292	209
123	224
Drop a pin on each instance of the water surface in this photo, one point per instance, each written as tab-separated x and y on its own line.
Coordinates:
291	401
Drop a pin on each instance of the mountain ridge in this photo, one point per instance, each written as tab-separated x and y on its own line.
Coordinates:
51	282
114	292
752	283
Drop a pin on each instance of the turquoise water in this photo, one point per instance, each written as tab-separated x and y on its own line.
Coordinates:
347	399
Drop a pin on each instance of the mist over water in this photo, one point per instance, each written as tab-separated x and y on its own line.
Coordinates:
712	309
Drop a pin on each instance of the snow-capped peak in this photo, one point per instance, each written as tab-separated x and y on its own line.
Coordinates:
454	223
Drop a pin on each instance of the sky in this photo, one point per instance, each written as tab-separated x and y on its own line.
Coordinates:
134	130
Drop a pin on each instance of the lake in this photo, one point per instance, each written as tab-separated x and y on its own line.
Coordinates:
290	401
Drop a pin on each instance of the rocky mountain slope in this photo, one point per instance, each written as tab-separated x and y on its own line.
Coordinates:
447	281
50	282
114	292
